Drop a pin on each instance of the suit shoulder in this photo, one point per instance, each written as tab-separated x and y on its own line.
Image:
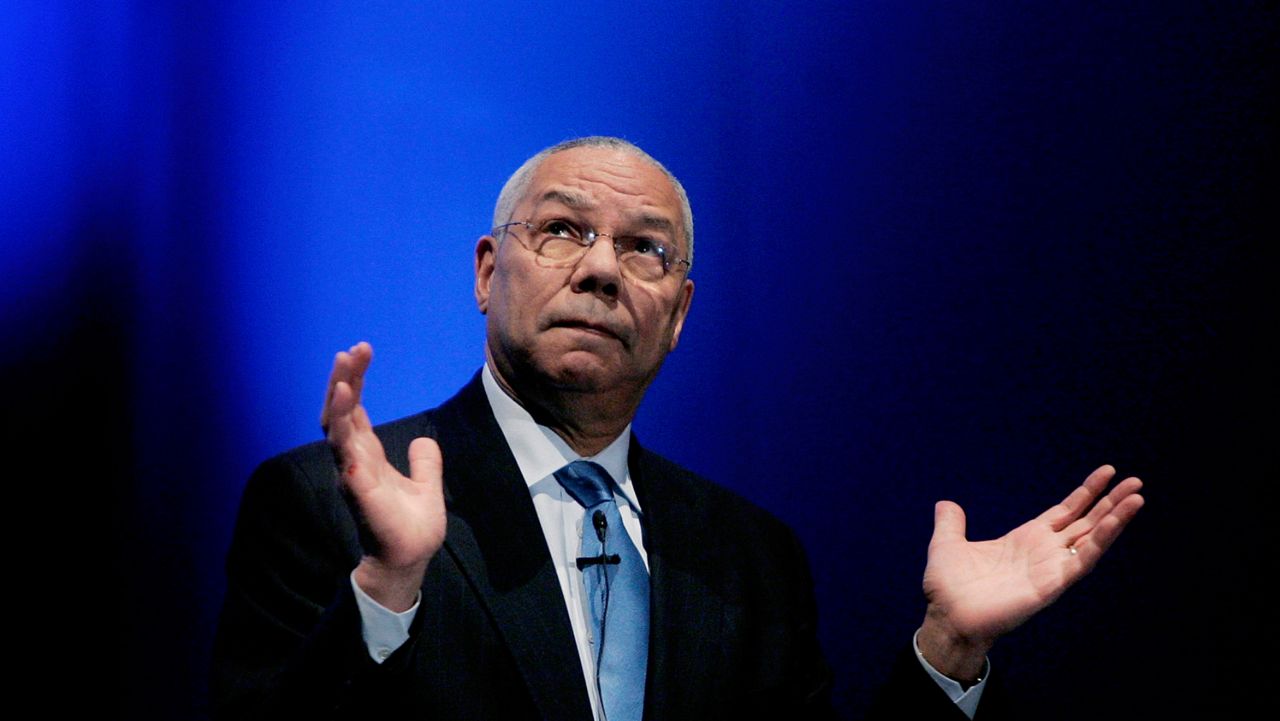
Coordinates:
712	503
299	487
293	511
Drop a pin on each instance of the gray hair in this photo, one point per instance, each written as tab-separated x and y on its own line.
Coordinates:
514	189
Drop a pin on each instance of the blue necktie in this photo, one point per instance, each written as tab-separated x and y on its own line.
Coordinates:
617	588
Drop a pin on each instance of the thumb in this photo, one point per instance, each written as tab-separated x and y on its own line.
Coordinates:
426	465
948	522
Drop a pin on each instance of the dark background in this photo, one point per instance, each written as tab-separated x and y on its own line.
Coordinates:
964	250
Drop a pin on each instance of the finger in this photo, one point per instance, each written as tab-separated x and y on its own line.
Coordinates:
349	367
360	419
362	462
1062	514
337	374
948	522
342	424
362	356
338	408
1081	526
426	464
1091	546
1102	509
350	432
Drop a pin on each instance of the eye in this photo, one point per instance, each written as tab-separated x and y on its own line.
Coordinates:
646	246
558	228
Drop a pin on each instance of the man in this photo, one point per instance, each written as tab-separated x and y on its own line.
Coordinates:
470	575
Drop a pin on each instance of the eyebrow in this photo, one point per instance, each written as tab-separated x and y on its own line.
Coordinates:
572	200
657	222
577	202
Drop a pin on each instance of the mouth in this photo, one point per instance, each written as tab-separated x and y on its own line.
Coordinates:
598	329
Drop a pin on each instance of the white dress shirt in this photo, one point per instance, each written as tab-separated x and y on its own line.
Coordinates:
539	453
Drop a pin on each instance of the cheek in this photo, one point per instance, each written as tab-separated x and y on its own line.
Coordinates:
657	323
503	313
521	303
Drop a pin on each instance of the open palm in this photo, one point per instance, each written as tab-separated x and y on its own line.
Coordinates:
981	590
405	515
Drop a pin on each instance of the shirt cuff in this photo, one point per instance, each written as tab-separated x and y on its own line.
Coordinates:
383	630
965	700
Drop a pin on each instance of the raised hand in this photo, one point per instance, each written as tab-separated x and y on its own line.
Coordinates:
978	591
405	516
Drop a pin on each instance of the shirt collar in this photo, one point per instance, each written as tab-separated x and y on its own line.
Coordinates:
539	452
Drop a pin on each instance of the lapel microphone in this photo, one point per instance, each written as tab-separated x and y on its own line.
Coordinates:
601	525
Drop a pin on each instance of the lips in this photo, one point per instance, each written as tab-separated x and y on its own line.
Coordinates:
591	326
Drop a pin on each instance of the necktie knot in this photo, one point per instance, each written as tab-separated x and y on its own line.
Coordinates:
589	483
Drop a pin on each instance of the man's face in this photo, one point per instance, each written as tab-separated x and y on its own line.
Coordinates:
585	327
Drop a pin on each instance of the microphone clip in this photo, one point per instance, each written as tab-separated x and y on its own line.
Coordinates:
611	559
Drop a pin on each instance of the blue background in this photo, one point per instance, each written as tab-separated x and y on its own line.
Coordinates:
966	250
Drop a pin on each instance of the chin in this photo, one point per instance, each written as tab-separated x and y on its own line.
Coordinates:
585	377
576	369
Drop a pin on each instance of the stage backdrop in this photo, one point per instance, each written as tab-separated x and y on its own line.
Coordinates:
962	250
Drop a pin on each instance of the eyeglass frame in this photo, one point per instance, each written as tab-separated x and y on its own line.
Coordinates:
588	239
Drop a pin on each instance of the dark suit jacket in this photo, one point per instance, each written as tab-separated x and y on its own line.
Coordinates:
732	626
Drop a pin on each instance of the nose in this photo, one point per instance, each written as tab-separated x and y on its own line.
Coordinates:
598	272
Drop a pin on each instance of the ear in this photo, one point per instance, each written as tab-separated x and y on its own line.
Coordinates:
682	310
486	258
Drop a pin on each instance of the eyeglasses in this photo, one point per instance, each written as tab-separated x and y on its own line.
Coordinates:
564	244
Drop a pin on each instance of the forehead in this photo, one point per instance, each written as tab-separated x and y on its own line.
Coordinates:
605	181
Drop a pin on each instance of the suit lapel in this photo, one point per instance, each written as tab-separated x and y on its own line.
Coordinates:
495	538
686	611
